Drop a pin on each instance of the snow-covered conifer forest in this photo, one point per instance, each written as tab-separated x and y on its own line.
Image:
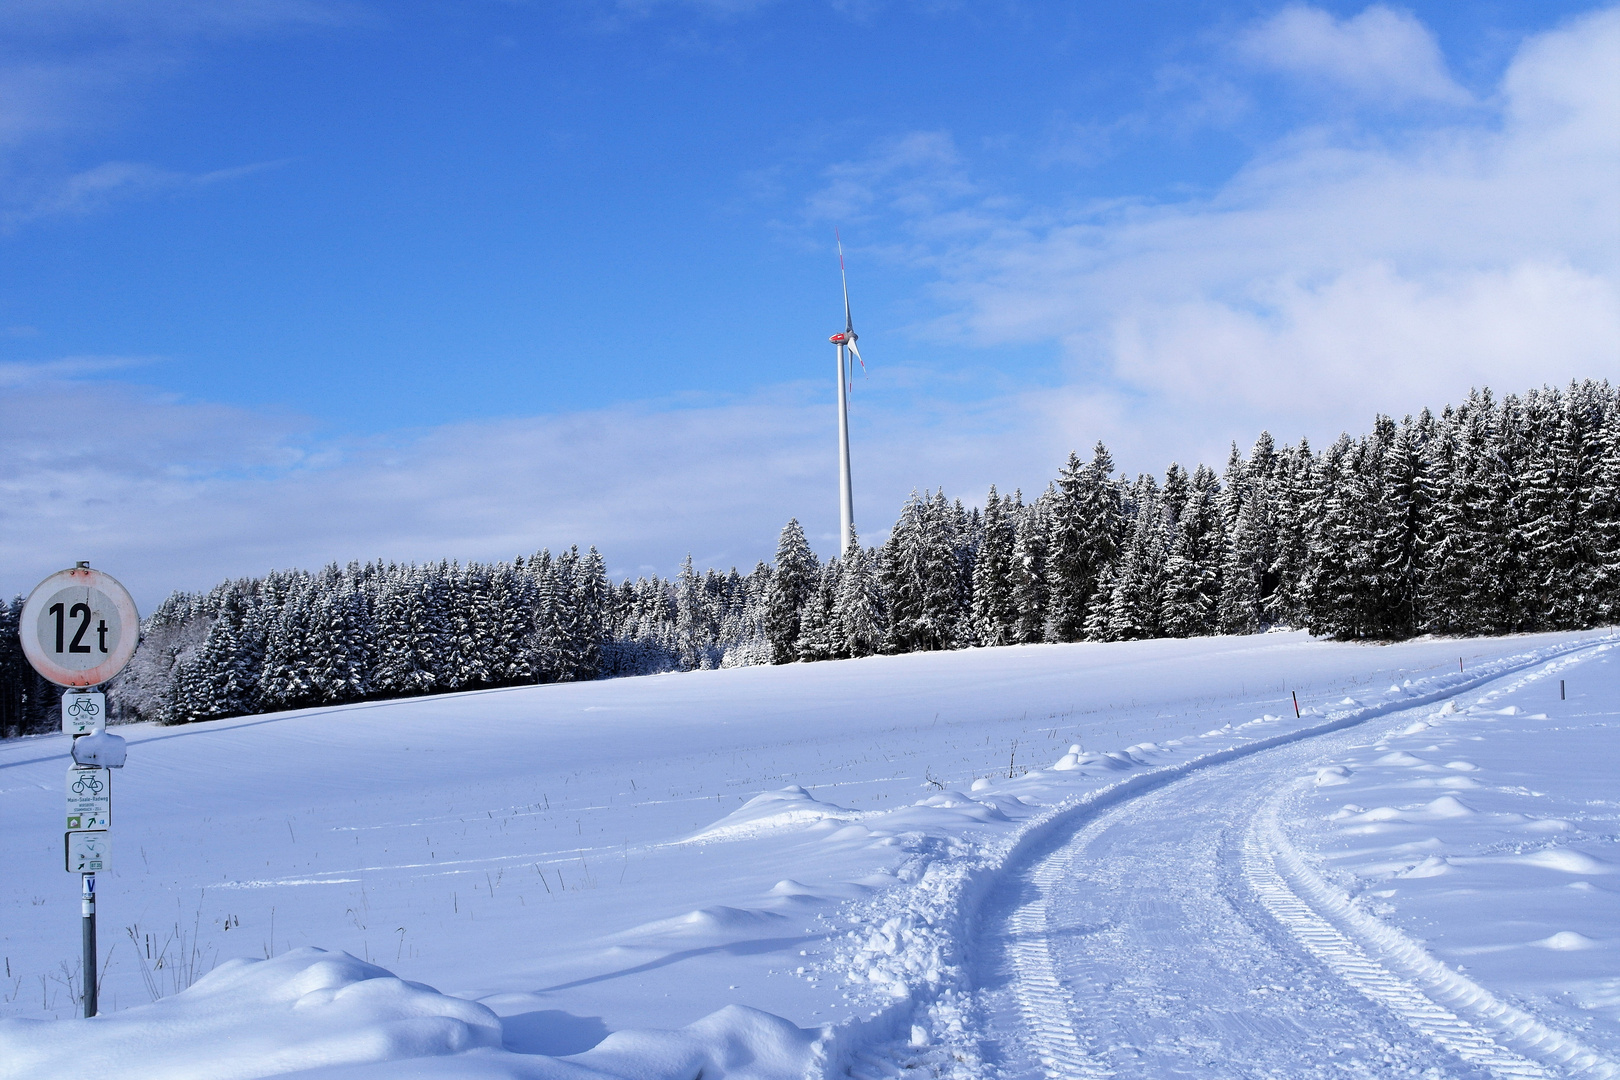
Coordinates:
1492	516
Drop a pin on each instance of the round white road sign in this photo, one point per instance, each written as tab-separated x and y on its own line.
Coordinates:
79	627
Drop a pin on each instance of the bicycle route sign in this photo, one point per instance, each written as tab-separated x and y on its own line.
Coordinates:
89	798
83	713
86	852
79	627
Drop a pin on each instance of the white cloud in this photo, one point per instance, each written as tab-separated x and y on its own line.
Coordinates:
71	66
97	188
170	494
1382	54
1337	275
915	175
16	373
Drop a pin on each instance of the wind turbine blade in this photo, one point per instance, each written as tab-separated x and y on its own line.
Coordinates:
857	353
849	324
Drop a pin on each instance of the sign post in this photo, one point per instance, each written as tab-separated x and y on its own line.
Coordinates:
79	628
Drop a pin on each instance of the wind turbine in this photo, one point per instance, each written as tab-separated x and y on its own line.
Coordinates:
845	341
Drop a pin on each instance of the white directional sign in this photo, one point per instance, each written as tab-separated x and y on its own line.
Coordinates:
86	851
83	713
89	798
79	627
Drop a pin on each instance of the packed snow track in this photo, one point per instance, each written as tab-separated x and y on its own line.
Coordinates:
1177	933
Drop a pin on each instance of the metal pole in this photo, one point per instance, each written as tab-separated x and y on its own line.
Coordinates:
87	909
846	496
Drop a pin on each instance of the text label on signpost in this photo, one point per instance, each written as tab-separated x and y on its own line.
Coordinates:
89	798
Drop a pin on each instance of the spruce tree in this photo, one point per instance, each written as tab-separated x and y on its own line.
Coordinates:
1135	597
1292	489
795	576
591	600
995	615
1084	526
1192	567
819	636
1029	591
859	613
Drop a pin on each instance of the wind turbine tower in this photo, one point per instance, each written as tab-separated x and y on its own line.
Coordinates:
846	351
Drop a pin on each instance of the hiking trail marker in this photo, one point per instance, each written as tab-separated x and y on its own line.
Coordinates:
79	628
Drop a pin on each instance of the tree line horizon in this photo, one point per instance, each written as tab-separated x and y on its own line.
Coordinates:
1492	516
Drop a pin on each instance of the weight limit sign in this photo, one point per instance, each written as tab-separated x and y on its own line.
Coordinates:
79	627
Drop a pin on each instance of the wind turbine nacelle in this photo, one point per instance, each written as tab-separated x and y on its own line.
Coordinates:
839	339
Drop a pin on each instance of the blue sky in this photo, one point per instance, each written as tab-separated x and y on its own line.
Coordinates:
284	281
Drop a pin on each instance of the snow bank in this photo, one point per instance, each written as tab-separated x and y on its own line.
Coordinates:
770	812
255	1018
323	1014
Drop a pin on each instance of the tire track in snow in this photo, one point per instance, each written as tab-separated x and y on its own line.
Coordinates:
1362	949
1046	1006
1352	964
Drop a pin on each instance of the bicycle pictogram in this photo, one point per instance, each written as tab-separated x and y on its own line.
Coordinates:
88	784
83	707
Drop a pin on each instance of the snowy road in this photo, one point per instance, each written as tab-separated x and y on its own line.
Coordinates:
1178	934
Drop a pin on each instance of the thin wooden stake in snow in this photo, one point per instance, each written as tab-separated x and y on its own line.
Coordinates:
1296	703
1560	689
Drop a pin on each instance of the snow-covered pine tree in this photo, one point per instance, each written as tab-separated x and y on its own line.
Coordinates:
922	575
1342	581
1246	581
995	615
1442	546
467	659
1292	489
819	634
285	679
13	695
1192	580
1397	511
1084	526
591	592
1480	578
744	631
859	613
221	679
902	585
411	631
795	576
1177	487
961	531
692	635
1561	525
968	527
341	666
1029	569
1601	507
1135	595
555	641
511	614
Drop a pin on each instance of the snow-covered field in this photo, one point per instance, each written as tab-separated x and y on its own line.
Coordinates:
859	866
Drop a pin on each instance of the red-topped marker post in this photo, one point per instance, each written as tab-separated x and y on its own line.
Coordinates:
79	628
